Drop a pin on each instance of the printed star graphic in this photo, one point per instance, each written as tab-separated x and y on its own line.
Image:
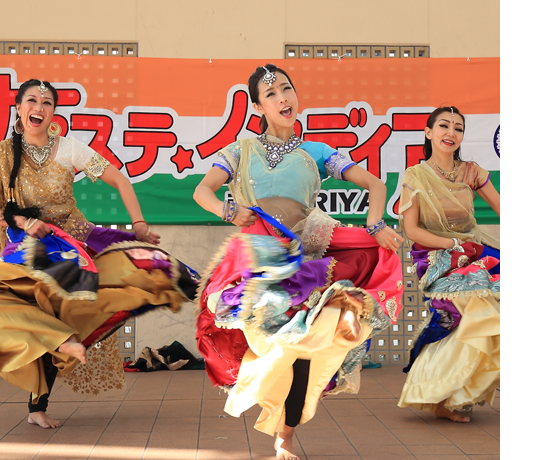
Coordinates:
183	159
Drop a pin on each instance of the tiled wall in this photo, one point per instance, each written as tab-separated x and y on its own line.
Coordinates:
392	346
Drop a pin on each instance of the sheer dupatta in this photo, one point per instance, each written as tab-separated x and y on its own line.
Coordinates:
445	208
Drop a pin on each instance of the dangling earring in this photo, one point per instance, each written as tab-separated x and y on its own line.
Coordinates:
54	130
18	127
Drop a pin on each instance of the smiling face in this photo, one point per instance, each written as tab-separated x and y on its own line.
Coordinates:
36	111
279	104
447	133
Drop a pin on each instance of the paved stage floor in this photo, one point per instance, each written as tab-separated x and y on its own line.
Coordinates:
168	415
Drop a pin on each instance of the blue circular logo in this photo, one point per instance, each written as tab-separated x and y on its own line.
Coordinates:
496	141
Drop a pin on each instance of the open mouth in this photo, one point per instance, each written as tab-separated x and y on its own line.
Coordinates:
448	143
287	112
36	120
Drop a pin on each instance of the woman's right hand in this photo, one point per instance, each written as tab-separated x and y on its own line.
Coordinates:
37	230
244	217
388	239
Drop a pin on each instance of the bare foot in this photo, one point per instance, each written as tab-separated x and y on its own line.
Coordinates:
43	420
73	347
349	324
284	444
455	416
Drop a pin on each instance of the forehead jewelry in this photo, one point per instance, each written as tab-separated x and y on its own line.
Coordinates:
452	111
269	78
42	88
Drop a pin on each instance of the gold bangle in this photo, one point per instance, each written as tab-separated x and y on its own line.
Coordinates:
28	226
148	232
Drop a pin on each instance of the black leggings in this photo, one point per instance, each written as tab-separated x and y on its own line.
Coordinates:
50	372
296	398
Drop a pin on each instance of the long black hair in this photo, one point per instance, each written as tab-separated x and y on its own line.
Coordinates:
12	208
254	90
430	124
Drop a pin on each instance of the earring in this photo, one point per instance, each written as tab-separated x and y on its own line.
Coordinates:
18	127
54	130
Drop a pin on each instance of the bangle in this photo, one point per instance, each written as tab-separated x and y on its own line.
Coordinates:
230	210
148	232
374	229
139	221
457	245
28	225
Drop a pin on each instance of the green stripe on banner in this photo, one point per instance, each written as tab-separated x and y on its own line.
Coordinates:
485	214
167	201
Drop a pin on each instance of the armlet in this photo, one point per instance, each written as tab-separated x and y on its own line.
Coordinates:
96	167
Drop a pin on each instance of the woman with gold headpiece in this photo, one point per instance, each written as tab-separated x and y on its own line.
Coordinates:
52	301
454	362
287	306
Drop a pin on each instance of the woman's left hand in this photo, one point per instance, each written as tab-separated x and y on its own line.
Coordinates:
388	239
144	233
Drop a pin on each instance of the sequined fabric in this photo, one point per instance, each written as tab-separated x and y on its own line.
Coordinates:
439	283
445	208
102	375
316	233
50	187
96	167
337	164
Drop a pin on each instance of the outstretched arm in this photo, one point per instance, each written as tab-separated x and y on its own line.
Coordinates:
116	179
205	196
387	237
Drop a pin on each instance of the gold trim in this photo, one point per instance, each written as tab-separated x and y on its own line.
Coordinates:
50	282
455	295
173	262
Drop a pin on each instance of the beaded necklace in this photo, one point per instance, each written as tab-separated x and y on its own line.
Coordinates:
275	151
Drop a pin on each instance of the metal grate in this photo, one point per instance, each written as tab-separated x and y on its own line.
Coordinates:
78	48
339	52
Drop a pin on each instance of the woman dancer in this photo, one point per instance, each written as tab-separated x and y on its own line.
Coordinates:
275	330
454	362
37	203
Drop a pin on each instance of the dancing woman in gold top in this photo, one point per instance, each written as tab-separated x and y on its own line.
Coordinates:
454	362
48	279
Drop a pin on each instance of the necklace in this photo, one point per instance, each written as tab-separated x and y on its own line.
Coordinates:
39	154
275	151
449	175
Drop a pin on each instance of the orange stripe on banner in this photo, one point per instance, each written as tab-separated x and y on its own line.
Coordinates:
195	87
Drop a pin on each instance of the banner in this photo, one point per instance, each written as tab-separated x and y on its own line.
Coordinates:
161	122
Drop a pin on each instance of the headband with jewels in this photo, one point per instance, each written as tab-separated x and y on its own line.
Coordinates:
42	87
269	77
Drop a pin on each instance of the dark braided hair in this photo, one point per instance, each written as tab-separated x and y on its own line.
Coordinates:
12	208
430	124
254	90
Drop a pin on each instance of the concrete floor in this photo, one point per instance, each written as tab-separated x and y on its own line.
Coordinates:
168	415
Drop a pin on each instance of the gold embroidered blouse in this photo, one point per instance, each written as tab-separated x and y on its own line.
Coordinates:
50	187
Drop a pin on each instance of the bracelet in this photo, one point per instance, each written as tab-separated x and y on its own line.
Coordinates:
28	225
148	232
457	245
139	221
230	210
374	229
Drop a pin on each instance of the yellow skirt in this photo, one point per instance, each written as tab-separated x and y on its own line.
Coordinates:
35	319
266	373
463	368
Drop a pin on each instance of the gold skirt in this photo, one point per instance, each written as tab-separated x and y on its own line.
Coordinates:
463	368
35	319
